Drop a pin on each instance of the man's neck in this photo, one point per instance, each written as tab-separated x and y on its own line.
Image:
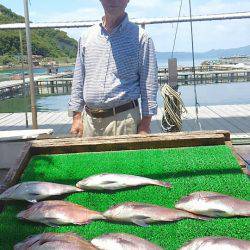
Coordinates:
110	22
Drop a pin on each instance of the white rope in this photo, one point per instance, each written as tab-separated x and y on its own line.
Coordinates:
176	30
173	108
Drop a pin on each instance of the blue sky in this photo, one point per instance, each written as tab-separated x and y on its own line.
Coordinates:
207	35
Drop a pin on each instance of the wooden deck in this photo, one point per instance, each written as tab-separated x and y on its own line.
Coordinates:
13	83
235	118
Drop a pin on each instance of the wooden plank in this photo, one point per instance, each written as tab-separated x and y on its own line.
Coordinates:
244	152
226	134
245	107
232	118
14	135
74	145
12	121
155	125
4	115
208	119
44	119
3	173
189	120
11	118
239	110
65	127
238	158
15	156
65	130
236	127
220	122
56	122
61	120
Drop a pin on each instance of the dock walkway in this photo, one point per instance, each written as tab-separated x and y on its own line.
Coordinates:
235	118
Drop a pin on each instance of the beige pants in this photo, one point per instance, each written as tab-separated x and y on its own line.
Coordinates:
123	123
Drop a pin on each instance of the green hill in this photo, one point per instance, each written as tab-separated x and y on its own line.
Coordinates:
45	42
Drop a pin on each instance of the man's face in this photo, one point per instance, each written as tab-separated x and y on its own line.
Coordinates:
114	7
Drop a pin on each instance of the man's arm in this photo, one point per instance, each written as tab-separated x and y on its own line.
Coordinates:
76	103
148	83
77	124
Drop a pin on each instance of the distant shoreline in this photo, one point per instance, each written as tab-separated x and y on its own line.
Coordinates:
19	67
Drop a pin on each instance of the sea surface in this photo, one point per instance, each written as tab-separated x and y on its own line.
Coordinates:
208	94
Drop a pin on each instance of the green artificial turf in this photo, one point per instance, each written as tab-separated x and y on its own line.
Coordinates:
188	169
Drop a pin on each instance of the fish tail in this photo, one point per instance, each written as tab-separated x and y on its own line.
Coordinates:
21	215
77	189
78	185
164	184
203	218
100	216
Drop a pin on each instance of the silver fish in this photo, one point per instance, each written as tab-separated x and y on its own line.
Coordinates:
121	241
55	213
214	205
217	243
141	213
117	181
52	241
34	191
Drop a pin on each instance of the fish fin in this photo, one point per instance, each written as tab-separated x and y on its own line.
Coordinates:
51	221
139	222
80	223
205	218
51	224
32	201
79	190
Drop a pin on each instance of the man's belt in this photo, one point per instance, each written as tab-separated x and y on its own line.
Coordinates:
102	113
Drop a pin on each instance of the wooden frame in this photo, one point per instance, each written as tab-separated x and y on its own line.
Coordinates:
96	144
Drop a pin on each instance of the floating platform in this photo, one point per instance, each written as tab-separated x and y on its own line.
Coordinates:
234	118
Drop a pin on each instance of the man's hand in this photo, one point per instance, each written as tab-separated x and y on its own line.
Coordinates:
144	125
77	125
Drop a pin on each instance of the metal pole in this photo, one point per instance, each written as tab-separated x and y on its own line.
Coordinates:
141	21
194	72
30	63
24	85
143	26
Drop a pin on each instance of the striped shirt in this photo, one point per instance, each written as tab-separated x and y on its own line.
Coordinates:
114	68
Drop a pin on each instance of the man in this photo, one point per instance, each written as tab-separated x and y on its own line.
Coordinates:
115	66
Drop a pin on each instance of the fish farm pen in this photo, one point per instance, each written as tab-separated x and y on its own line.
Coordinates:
197	161
61	83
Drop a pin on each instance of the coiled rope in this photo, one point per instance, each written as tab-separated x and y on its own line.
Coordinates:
173	108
